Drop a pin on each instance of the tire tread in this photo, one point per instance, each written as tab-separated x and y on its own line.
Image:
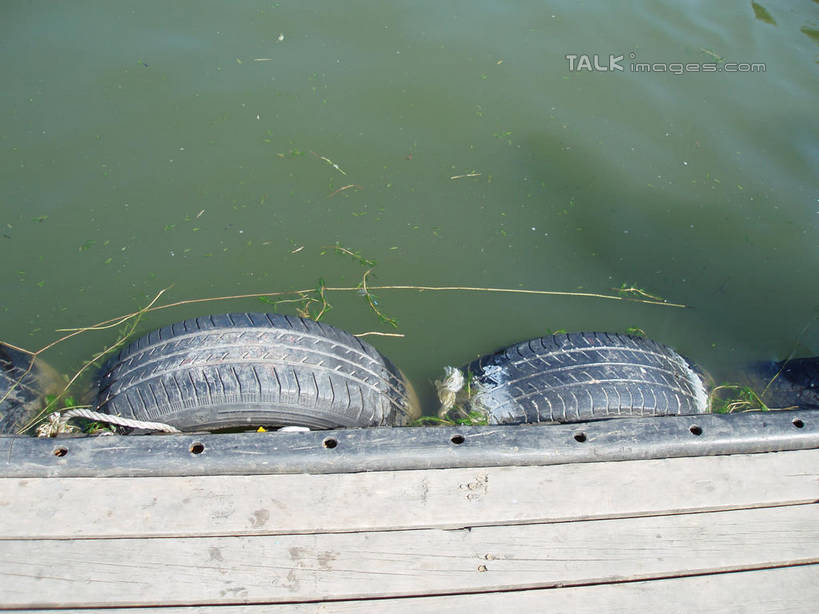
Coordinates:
585	376
232	369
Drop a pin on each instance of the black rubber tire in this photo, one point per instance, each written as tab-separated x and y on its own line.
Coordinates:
790	383
584	376
24	382
254	369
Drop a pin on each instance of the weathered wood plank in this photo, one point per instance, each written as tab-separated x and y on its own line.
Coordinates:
788	590
287	568
447	498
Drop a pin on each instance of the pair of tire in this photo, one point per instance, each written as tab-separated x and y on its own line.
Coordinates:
252	369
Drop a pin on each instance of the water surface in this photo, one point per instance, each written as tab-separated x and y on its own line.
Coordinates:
192	144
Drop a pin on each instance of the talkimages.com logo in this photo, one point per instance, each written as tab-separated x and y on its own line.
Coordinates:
582	62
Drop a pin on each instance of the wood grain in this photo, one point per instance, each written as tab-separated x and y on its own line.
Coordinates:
788	590
315	567
445	498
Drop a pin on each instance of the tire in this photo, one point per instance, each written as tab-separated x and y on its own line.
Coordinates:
255	369
24	382
790	383
584	376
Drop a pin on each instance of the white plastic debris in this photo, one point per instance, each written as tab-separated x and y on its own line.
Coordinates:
55	425
448	389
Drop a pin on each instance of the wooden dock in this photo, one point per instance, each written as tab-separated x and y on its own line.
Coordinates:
733	533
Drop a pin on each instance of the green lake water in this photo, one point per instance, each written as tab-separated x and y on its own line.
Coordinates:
205	145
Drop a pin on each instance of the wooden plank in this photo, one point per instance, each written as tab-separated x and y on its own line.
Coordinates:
787	590
316	567
448	498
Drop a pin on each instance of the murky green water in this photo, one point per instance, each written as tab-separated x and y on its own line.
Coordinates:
148	144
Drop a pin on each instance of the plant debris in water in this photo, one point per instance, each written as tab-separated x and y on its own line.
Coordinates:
730	398
311	304
354	254
762	14
472	418
632	290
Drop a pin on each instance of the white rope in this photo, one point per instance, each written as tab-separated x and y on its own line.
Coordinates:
58	422
120	421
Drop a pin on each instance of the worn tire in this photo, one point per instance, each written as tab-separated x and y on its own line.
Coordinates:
585	376
24	382
790	383
254	369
